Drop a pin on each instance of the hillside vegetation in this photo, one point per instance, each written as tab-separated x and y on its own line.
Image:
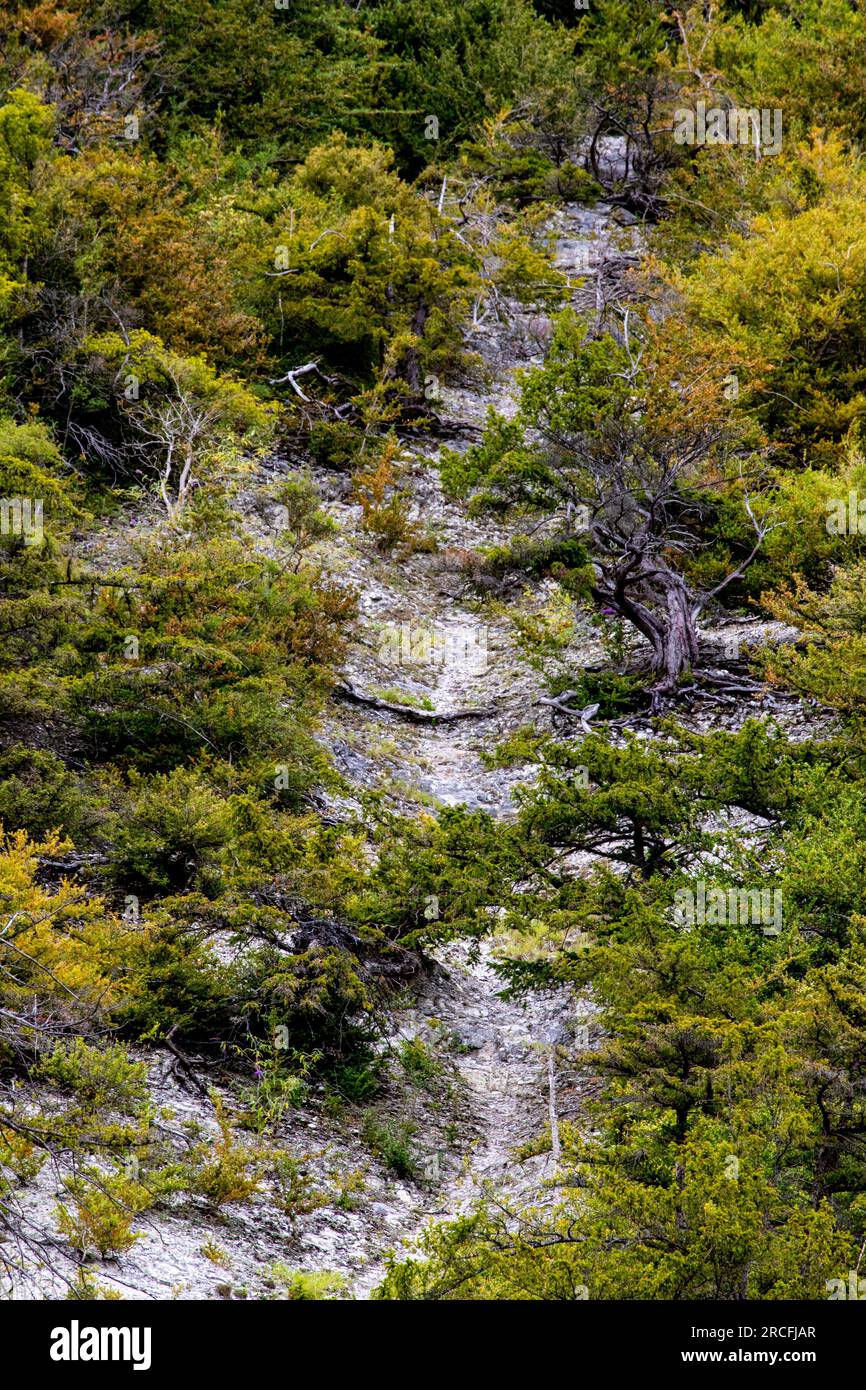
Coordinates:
301	355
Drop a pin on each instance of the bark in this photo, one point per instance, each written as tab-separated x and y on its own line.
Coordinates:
412	363
679	637
667	619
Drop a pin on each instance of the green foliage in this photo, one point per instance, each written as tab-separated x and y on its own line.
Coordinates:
20	1159
391	1142
300	519
31	466
715	1118
578	388
176	983
832	664
279	1084
384	504
786	296
612	693
100	1078
334	444
307	1285
291	1180
37	792
702	1236
418	1062
805	63
319	994
357	1081
184	413
338	190
320	67
26	128
172	835
216	666
223	1171
103	1208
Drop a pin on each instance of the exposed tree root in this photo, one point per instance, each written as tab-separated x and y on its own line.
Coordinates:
346	691
724	690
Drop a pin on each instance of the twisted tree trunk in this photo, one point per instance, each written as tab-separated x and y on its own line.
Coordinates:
667	618
679	647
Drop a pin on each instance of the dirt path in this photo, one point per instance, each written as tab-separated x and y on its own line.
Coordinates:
427	637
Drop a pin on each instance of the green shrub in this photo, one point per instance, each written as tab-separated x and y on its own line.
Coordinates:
102	1078
613	693
306	1285
223	1170
279	1086
334	444
175	981
418	1061
294	1187
172	836
319	996
20	1159
357	1080
391	1142
38	793
103	1209
301	519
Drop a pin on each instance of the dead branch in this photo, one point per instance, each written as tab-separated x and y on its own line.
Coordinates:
347	691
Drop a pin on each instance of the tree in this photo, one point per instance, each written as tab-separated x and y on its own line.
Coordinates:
374	278
627	86
26	127
180	410
787	295
600	447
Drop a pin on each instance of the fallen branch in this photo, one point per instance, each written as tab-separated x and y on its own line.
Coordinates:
304	370
347	691
184	1062
560	703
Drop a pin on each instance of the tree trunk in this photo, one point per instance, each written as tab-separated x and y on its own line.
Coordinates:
678	635
412	361
669	625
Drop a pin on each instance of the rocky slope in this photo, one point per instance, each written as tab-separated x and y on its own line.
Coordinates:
429	646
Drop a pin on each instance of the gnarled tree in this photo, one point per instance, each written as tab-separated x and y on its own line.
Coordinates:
603	448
